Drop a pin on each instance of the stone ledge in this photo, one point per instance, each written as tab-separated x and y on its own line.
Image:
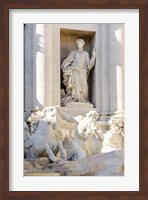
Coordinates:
41	174
77	108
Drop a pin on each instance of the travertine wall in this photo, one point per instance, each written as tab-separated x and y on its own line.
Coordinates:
45	48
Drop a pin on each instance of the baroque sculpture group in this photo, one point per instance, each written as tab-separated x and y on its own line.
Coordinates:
43	132
43	136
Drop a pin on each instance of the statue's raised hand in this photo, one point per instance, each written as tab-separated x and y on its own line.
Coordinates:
94	53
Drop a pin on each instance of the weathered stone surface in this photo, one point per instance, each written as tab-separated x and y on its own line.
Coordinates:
105	164
35	164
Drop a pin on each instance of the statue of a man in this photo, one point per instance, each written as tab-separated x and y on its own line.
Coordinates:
75	70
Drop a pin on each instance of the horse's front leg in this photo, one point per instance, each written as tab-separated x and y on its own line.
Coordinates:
99	135
50	153
61	149
87	150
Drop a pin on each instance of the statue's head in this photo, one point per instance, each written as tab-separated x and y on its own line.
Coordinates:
80	43
93	115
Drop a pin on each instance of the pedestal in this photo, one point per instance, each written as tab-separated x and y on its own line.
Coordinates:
77	108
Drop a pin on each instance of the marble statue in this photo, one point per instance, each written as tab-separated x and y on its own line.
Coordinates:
75	70
117	131
87	139
73	149
46	139
114	138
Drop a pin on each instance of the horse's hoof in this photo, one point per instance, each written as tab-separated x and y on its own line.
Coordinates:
59	162
51	161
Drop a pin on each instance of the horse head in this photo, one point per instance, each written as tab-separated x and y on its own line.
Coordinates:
50	114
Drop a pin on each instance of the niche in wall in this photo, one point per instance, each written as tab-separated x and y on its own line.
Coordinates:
68	39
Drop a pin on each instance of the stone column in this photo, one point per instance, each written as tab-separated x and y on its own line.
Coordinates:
52	64
103	71
28	69
42	65
56	64
116	67
98	68
39	64
48	65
